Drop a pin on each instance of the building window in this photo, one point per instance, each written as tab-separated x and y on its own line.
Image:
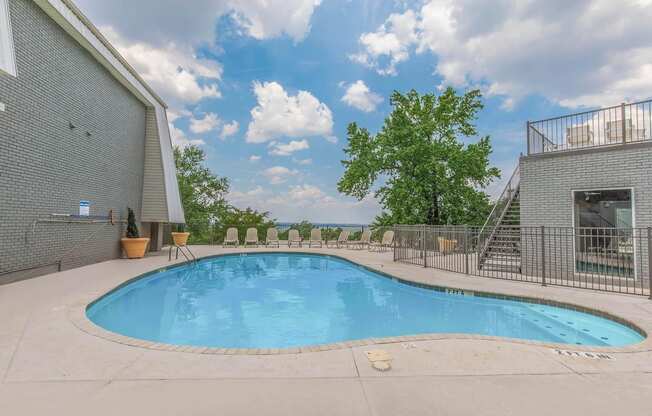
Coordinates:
7	57
603	222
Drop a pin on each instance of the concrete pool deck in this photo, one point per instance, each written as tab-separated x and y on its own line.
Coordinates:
49	366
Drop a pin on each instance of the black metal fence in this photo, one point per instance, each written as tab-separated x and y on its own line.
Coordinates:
604	259
621	124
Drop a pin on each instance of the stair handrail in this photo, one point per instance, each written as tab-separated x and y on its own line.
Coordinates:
497	214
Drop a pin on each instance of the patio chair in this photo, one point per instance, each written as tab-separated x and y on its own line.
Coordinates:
315	237
364	241
613	132
251	237
294	238
231	237
341	240
386	243
446	246
272	237
579	136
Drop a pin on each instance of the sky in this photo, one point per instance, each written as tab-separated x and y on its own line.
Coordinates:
268	87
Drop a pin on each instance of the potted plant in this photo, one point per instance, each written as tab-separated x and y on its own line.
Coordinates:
180	236
133	245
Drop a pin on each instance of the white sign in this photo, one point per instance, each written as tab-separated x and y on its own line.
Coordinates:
84	208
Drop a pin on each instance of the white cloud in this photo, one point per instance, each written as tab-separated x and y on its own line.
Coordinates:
595	53
180	139
193	22
306	201
279	114
254	158
359	96
229	129
173	71
281	149
263	19
174	115
203	125
390	42
331	139
303	161
279	174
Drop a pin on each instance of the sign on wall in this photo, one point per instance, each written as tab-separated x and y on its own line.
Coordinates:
84	208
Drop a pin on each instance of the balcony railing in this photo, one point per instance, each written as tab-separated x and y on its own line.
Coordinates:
612	126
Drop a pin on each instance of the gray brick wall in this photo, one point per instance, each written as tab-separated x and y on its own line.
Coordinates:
46	167
547	183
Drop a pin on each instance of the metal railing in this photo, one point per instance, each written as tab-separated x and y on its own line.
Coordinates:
501	206
603	259
617	125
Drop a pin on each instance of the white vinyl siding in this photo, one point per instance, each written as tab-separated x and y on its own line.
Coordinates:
7	58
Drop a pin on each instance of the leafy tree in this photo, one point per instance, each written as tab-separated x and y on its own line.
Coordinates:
203	195
426	174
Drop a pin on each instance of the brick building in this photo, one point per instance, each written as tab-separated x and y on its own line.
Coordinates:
81	136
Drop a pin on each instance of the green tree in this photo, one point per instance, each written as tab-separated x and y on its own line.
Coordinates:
426	174
203	195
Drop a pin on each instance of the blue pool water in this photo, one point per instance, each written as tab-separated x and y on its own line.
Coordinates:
279	300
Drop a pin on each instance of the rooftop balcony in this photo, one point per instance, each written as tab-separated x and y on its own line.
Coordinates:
612	126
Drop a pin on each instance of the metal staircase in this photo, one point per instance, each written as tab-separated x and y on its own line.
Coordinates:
500	237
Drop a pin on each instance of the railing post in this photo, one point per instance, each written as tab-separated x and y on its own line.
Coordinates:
543	255
624	129
649	260
423	246
527	127
466	249
396	239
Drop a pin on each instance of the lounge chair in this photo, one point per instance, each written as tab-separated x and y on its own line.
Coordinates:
251	237
272	237
579	136
315	237
341	240
294	238
446	246
363	242
231	237
386	243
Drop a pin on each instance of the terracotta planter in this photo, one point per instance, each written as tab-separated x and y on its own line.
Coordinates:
135	248
180	239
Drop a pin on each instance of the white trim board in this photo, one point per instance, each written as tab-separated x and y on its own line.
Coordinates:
7	54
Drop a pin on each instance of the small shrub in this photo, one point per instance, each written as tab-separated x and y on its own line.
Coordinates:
132	228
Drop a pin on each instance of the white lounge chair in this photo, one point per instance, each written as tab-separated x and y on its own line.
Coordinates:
579	136
386	243
251	237
315	237
613	132
364	241
294	238
231	237
272	237
446	245
341	240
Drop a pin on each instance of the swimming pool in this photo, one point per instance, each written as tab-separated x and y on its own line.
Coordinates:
283	300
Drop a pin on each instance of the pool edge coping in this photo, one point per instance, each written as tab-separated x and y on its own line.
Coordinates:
77	315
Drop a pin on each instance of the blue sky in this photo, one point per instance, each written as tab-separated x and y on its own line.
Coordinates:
267	88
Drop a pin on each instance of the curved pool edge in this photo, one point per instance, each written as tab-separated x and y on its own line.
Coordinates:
77	315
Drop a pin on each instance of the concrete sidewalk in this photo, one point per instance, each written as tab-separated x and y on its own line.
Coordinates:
49	366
